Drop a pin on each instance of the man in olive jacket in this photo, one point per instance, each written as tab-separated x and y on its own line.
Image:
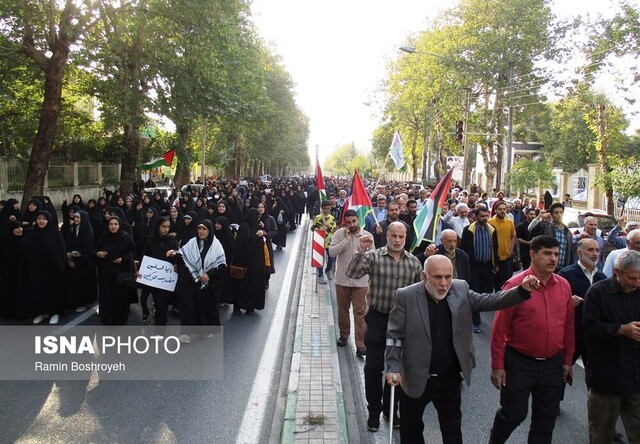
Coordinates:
429	344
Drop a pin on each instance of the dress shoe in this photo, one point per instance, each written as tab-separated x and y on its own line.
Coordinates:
373	423
361	352
341	342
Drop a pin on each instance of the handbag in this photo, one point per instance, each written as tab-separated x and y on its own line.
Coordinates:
237	272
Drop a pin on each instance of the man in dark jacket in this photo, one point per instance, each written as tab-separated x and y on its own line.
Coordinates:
480	242
582	275
612	326
557	229
459	259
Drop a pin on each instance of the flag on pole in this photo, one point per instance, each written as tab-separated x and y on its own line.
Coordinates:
395	150
426	221
165	160
358	201
320	181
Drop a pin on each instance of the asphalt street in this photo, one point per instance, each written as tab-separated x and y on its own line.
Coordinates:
150	411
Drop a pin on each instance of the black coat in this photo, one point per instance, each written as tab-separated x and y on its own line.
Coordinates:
44	253
113	294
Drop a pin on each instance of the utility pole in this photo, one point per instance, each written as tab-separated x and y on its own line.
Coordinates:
466	167
509	127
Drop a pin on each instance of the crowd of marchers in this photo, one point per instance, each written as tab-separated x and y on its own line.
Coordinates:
220	239
415	311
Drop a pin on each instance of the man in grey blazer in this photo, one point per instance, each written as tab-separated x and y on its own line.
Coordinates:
429	345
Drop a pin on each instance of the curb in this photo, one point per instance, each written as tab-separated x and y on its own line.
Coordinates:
293	425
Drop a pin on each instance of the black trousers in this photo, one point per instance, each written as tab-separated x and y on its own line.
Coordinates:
505	270
482	282
444	392
528	376
377	392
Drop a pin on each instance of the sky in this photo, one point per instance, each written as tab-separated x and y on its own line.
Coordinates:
337	51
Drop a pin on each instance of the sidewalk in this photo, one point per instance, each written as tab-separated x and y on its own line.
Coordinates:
315	411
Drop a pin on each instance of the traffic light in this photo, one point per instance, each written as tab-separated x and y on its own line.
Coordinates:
459	130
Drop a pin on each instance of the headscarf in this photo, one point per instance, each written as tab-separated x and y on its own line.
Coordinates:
225	236
212	255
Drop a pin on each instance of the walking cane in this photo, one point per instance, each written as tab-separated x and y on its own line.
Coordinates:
394	378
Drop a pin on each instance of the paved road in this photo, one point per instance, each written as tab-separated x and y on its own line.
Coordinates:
148	411
479	402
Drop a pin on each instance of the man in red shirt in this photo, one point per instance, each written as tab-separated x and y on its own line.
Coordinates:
532	348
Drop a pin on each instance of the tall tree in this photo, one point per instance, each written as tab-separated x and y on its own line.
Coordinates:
45	32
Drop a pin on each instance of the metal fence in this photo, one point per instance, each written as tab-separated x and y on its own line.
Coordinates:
60	173
87	174
110	173
632	215
17	172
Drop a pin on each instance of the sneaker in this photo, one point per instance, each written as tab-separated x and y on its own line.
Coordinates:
361	352
38	319
396	419
341	342
322	280
145	318
185	339
476	328
80	309
373	423
54	320
330	275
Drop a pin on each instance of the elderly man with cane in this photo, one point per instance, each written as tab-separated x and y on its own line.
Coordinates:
430	347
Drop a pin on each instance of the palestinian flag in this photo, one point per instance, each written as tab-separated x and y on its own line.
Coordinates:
358	201
320	181
165	160
426	221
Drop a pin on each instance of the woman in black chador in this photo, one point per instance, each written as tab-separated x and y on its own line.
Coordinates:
164	247
114	259
12	270
81	274
280	213
44	253
199	279
224	234
249	291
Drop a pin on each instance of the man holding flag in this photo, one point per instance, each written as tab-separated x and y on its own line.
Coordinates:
426	222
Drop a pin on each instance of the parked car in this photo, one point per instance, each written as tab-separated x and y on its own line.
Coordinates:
192	186
574	219
165	192
265	179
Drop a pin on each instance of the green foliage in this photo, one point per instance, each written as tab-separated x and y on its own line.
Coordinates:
528	174
571	135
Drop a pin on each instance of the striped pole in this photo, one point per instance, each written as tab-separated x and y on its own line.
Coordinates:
317	256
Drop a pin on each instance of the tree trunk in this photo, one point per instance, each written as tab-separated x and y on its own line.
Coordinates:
129	163
414	149
183	169
601	148
230	168
47	127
